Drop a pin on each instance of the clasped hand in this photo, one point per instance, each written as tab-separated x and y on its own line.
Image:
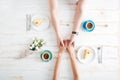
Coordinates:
67	46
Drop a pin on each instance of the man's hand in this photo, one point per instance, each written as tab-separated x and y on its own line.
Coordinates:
60	41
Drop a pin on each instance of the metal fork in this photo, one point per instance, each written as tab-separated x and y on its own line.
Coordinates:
30	16
99	51
28	22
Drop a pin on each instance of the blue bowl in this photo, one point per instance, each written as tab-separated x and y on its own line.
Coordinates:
84	26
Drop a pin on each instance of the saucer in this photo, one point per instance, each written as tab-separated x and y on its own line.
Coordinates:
85	28
88	57
48	56
44	25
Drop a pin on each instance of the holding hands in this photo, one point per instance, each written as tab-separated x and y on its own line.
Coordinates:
62	42
67	46
71	50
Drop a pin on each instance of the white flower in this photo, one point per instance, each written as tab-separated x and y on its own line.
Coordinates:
31	47
36	48
42	42
37	44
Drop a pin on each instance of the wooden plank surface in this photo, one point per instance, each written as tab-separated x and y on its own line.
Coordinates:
14	40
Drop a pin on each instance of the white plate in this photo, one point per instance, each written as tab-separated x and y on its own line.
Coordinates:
43	25
89	58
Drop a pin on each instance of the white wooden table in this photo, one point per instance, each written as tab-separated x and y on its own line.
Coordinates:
14	40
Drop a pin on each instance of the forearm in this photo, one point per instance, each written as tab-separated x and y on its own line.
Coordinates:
57	68
55	15
74	65
78	16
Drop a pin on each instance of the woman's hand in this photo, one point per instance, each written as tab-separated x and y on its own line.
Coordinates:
63	48
60	41
71	51
70	47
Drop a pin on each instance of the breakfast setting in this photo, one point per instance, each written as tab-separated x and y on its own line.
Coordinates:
59	40
36	22
39	23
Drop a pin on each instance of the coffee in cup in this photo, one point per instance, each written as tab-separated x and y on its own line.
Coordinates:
89	26
46	56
